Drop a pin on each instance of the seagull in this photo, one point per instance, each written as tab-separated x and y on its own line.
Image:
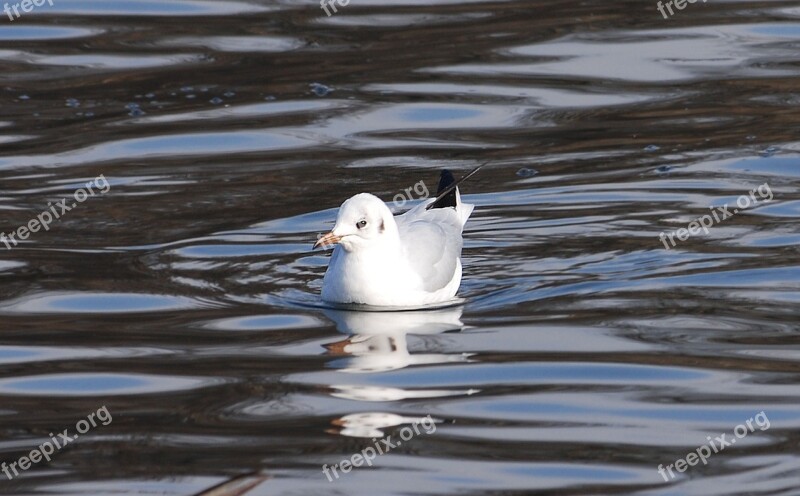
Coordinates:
407	261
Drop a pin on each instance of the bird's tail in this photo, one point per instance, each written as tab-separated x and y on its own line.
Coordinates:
450	198
447	195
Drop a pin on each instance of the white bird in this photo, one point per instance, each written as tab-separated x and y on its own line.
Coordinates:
411	260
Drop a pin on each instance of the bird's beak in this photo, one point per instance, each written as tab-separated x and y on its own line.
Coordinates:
327	240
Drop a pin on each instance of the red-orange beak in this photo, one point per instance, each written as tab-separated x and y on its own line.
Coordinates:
327	240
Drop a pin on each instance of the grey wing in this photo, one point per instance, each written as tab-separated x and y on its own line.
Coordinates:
433	247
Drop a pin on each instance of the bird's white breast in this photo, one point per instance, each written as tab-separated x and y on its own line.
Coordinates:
377	278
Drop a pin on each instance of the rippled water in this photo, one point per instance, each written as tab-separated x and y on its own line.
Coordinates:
184	299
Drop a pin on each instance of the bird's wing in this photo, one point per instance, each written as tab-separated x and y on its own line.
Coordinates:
432	244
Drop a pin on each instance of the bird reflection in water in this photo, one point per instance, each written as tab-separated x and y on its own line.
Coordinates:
378	342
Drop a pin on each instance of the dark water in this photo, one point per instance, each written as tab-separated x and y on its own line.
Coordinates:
586	354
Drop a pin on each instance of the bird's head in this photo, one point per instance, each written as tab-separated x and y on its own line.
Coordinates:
363	220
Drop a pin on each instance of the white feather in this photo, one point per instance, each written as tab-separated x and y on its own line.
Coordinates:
410	260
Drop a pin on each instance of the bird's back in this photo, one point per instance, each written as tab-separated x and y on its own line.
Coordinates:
431	236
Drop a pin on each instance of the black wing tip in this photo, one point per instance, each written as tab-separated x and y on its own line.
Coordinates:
446	179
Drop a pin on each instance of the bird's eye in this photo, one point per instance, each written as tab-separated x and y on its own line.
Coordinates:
361	224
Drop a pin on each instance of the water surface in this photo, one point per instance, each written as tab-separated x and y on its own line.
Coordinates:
185	298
